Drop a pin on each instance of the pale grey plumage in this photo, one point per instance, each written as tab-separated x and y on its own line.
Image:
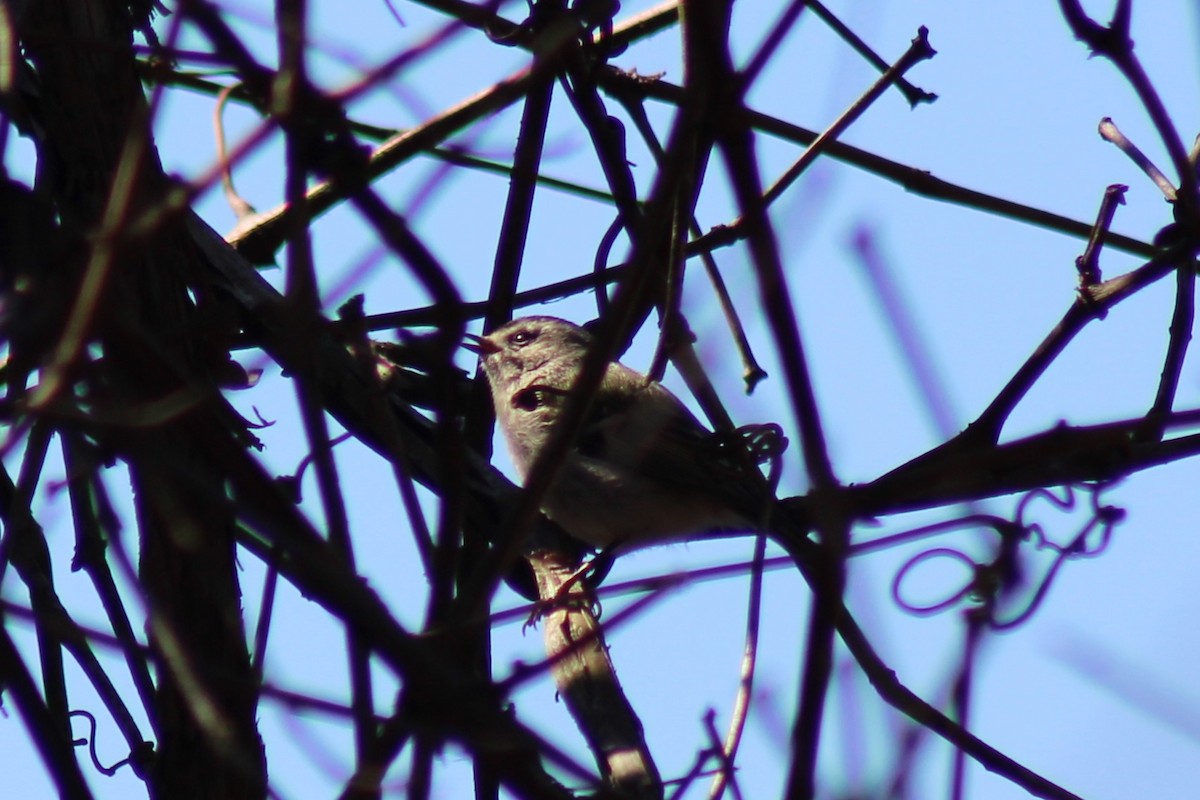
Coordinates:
643	469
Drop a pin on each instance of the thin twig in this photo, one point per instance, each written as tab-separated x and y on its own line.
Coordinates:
1088	264
752	372
90	548
55	627
961	696
912	179
702	35
905	700
301	292
917	52
1109	132
741	706
725	774
1183	318
1115	43
766	50
913	94
1100	297
57	755
241	208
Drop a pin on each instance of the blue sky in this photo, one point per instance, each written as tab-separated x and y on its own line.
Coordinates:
1096	691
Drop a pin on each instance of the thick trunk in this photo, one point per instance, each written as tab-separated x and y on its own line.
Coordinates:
102	170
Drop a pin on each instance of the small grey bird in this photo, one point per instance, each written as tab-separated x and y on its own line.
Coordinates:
643	469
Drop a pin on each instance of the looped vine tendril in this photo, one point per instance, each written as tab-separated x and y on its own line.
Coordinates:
991	581
133	759
921	558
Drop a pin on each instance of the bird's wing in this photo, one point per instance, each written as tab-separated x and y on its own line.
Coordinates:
638	425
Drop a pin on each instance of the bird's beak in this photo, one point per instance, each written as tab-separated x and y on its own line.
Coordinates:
480	345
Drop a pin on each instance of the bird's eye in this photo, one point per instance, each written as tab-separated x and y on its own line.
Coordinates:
522	337
529	399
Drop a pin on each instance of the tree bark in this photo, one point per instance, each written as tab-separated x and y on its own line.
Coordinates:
131	295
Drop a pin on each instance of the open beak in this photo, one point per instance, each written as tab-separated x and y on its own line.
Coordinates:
478	344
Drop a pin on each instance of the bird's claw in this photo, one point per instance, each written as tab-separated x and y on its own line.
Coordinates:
562	595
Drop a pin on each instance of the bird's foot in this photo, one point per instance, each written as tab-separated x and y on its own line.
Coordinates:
575	589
